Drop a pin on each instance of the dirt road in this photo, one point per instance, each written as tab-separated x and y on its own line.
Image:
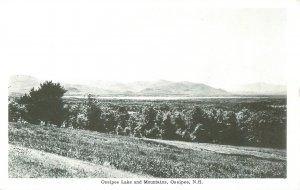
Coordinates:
265	153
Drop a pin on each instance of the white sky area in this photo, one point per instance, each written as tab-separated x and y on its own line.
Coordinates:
130	41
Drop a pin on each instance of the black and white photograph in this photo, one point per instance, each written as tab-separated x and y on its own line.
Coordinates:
133	94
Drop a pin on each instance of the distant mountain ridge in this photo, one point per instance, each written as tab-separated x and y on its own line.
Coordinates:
20	84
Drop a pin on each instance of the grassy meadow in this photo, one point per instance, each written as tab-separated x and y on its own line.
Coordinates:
138	156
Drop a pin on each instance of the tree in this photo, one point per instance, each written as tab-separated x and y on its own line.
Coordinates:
110	121
200	134
197	116
76	119
179	124
45	104
148	119
122	116
201	125
94	120
132	122
159	118
167	128
179	121
230	133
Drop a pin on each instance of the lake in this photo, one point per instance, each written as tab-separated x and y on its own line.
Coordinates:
166	97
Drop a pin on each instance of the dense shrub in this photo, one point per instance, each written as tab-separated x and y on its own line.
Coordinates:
16	111
262	128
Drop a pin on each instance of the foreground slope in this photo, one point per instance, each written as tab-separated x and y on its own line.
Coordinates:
26	162
139	156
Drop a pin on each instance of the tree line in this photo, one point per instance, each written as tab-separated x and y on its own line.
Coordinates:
197	124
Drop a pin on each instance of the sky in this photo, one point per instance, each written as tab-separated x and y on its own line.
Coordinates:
143	40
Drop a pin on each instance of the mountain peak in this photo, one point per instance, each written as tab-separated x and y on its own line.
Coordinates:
138	88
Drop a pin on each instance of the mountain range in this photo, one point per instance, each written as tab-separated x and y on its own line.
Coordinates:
20	84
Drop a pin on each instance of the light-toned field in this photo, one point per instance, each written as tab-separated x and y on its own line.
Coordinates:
28	163
40	151
264	153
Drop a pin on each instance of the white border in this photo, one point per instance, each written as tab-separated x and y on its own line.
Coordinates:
293	166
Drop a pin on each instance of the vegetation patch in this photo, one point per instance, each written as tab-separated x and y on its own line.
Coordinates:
138	156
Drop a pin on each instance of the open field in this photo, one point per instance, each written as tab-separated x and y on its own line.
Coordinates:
91	154
26	162
267	153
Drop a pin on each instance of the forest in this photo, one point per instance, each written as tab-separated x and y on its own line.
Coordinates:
259	122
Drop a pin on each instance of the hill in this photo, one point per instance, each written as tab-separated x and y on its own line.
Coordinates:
128	156
182	89
20	84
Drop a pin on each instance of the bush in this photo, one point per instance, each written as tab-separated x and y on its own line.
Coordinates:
138	132
16	111
153	133
127	131
81	121
119	130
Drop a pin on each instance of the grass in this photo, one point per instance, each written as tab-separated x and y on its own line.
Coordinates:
26	166
141	156
31	163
